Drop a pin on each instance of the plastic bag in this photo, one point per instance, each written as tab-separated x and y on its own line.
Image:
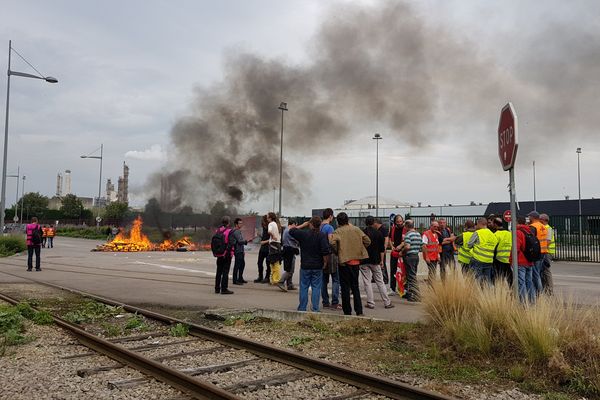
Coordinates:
275	273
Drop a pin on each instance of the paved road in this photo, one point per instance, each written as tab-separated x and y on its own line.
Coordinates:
187	279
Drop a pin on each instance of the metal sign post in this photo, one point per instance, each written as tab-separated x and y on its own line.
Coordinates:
507	151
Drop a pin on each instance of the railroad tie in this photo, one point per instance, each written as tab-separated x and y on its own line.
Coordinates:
357	394
259	384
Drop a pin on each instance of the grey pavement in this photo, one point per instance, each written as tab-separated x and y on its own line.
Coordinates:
186	279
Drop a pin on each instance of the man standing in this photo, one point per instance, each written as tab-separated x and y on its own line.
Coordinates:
51	234
263	253
313	257
385	232
395	242
483	242
431	251
237	243
447	239
34	241
413	244
542	234
465	254
502	268
223	257
547	281
526	291
350	244
290	251
44	236
371	267
331	268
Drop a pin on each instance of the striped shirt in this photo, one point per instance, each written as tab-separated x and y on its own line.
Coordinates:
413	238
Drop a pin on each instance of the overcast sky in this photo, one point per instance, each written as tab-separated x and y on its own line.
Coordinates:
128	71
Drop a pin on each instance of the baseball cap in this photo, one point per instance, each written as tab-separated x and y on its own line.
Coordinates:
534	214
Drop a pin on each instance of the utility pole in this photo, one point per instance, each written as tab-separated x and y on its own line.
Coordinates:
283	108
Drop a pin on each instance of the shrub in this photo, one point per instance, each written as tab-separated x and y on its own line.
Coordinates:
25	310
10	245
179	330
42	318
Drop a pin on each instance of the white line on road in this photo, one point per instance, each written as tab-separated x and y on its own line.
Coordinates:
576	276
176	268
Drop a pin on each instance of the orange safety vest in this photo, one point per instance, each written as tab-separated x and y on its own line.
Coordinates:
542	235
44	232
433	247
51	232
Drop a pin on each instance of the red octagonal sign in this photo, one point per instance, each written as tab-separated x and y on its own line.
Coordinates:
507	137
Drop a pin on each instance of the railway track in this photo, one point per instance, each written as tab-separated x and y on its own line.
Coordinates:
210	364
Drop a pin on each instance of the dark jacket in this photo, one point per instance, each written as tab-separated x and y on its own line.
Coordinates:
376	247
313	247
237	241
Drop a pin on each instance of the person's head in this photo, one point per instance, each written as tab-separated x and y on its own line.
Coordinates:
409	224
482	223
238	222
469	224
443	223
34	220
342	219
315	223
521	220
264	221
272	217
534	216
498	223
225	220
544	218
292	222
377	223
398	220
327	214
370	220
434	226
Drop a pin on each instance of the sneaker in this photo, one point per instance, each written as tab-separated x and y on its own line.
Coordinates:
258	280
38	269
29	270
336	306
291	288
237	283
243	281
266	280
371	306
326	306
217	291
226	291
282	287
390	306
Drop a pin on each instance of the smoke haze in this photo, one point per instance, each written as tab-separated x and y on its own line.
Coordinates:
380	65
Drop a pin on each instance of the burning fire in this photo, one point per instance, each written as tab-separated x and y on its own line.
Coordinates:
137	241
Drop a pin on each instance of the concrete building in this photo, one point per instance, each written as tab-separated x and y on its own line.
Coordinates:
123	185
67	182
111	193
59	184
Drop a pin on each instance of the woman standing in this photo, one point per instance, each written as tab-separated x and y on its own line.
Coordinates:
263	252
274	258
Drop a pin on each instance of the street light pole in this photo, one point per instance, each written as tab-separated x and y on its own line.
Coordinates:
377	138
100	180
283	108
18	176
578	151
22	197
534	197
4	162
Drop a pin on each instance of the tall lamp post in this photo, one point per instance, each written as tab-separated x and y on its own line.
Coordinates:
283	108
534	196
18	176
24	75
22	198
377	138
100	180
578	151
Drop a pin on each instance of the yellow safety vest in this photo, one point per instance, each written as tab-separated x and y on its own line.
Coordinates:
504	246
484	250
465	253
551	242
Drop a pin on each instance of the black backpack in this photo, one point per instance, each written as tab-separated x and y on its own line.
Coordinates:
220	242
36	236
533	249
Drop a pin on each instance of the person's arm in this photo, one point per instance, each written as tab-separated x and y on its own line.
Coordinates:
365	239
333	242
473	241
301	226
459	240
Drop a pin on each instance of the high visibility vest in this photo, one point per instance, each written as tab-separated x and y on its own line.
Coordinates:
465	253
542	235
432	247
44	232
484	250
551	242
504	246
51	232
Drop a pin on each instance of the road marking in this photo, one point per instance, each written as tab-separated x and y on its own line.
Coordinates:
175	268
576	276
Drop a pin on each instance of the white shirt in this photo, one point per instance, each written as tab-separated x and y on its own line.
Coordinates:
274	234
425	239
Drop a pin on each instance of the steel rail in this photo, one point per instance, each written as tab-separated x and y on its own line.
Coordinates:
189	385
364	380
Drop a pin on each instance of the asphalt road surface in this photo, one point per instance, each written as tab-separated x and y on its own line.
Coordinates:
187	279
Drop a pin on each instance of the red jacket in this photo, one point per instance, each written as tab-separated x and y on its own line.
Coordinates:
521	259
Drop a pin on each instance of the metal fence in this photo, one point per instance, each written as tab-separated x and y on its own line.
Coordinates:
577	238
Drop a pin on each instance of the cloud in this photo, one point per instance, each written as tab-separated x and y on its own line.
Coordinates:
154	153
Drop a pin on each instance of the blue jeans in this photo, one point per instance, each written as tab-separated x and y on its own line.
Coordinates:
483	271
312	278
538	267
526	291
335	288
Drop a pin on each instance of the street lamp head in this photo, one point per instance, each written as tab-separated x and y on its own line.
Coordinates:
51	79
579	150
283	106
83	156
377	136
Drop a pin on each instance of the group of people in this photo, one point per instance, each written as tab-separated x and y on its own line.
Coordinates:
48	233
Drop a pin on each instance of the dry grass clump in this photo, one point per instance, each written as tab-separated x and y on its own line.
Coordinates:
555	336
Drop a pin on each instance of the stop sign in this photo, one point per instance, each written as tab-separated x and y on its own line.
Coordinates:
507	216
507	137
